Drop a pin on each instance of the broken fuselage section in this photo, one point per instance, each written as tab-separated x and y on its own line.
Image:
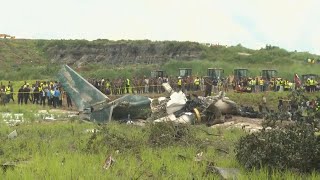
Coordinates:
93	105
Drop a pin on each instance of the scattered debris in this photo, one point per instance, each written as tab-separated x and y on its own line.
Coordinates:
91	130
226	173
5	166
108	162
12	164
178	107
177	102
13	134
49	118
199	157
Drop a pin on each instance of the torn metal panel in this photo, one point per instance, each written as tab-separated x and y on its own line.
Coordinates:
80	90
187	118
177	102
137	106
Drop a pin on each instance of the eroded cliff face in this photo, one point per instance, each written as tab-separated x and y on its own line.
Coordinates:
122	52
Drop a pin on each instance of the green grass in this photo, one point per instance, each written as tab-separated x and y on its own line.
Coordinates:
59	150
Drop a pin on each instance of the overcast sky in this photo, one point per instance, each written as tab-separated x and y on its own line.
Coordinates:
291	24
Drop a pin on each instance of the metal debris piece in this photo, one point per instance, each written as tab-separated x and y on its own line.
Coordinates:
198	157
108	162
177	102
13	134
227	173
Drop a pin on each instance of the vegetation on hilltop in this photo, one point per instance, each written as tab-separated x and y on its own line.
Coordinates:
40	59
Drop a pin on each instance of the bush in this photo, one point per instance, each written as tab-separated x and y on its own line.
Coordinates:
295	147
168	134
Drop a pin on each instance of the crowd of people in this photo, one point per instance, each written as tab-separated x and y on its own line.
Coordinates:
45	93
259	84
50	93
147	85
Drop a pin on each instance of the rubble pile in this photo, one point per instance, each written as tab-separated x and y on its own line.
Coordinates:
191	109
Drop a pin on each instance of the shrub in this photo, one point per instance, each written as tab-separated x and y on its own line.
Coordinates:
167	134
295	147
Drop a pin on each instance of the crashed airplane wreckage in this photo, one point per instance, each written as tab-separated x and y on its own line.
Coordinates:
93	105
189	109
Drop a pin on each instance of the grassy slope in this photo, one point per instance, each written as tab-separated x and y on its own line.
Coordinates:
27	59
23	60
287	63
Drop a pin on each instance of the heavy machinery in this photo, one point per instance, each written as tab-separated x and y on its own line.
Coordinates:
267	74
240	73
215	73
184	72
157	73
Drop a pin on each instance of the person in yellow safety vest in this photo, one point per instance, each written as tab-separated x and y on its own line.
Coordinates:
179	83
8	93
308	85
261	84
40	87
108	87
253	85
286	85
290	86
197	84
281	84
127	85
312	84
250	84
44	85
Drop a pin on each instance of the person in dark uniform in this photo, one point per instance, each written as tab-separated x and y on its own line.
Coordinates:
208	87
36	95
20	95
26	94
69	102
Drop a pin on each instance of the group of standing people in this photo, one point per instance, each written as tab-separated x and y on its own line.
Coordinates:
146	85
41	92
